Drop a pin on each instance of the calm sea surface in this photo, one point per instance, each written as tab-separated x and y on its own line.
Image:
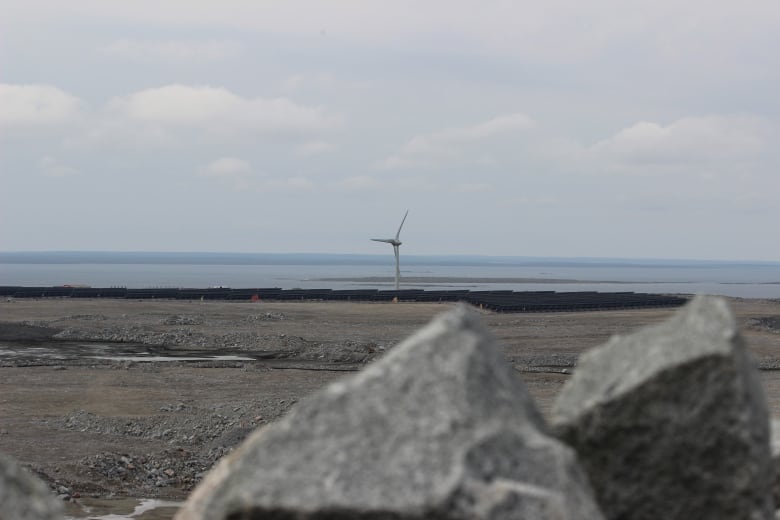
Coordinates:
750	280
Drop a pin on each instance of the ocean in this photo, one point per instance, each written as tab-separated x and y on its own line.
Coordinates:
312	271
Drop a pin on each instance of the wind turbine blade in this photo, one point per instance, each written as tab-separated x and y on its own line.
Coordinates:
386	240
402	225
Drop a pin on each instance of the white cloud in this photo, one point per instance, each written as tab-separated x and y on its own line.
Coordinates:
239	174
179	116
220	110
359	183
399	162
34	106
226	167
173	51
450	136
234	172
158	116
50	167
498	125
708	139
434	148
315	148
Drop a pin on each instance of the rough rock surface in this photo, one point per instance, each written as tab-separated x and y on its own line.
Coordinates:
441	427
671	421
24	497
775	446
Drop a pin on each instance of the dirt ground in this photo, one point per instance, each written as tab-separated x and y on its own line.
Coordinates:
151	421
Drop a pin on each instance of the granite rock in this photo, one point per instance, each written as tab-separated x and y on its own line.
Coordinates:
775	447
671	421
23	496
441	427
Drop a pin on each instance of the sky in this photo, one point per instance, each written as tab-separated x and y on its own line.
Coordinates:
607	128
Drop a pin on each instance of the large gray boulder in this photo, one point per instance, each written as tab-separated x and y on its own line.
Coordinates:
774	427
23	496
671	422
441	427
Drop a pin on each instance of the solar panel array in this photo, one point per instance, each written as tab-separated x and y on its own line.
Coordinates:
498	301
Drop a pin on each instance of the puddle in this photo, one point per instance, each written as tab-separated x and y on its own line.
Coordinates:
39	351
68	351
173	358
121	509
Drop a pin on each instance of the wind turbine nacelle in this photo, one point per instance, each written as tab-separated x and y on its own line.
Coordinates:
388	241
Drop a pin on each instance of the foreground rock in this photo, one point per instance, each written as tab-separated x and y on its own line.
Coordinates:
440	427
775	447
671	422
24	497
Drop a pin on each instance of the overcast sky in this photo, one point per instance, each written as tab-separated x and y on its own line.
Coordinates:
606	128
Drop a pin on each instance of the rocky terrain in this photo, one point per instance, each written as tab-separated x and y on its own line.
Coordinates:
667	422
126	398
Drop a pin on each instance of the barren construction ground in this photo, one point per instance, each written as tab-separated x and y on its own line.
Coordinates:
139	398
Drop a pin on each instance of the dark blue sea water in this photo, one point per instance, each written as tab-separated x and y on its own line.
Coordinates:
310	271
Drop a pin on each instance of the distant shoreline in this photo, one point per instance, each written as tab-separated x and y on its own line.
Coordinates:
469	279
317	272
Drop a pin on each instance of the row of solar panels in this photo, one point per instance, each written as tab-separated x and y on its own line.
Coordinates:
499	301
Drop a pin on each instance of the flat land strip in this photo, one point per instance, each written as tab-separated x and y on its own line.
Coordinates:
80	406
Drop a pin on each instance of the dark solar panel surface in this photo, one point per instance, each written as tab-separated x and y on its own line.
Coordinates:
498	301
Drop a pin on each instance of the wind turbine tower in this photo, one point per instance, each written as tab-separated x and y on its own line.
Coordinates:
396	243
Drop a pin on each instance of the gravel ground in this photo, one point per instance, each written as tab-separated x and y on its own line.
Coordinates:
140	427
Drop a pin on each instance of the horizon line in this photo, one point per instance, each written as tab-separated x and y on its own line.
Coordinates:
454	256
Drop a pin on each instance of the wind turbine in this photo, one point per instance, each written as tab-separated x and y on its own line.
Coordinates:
395	243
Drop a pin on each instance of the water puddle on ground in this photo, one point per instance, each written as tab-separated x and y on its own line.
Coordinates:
173	358
121	509
69	351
